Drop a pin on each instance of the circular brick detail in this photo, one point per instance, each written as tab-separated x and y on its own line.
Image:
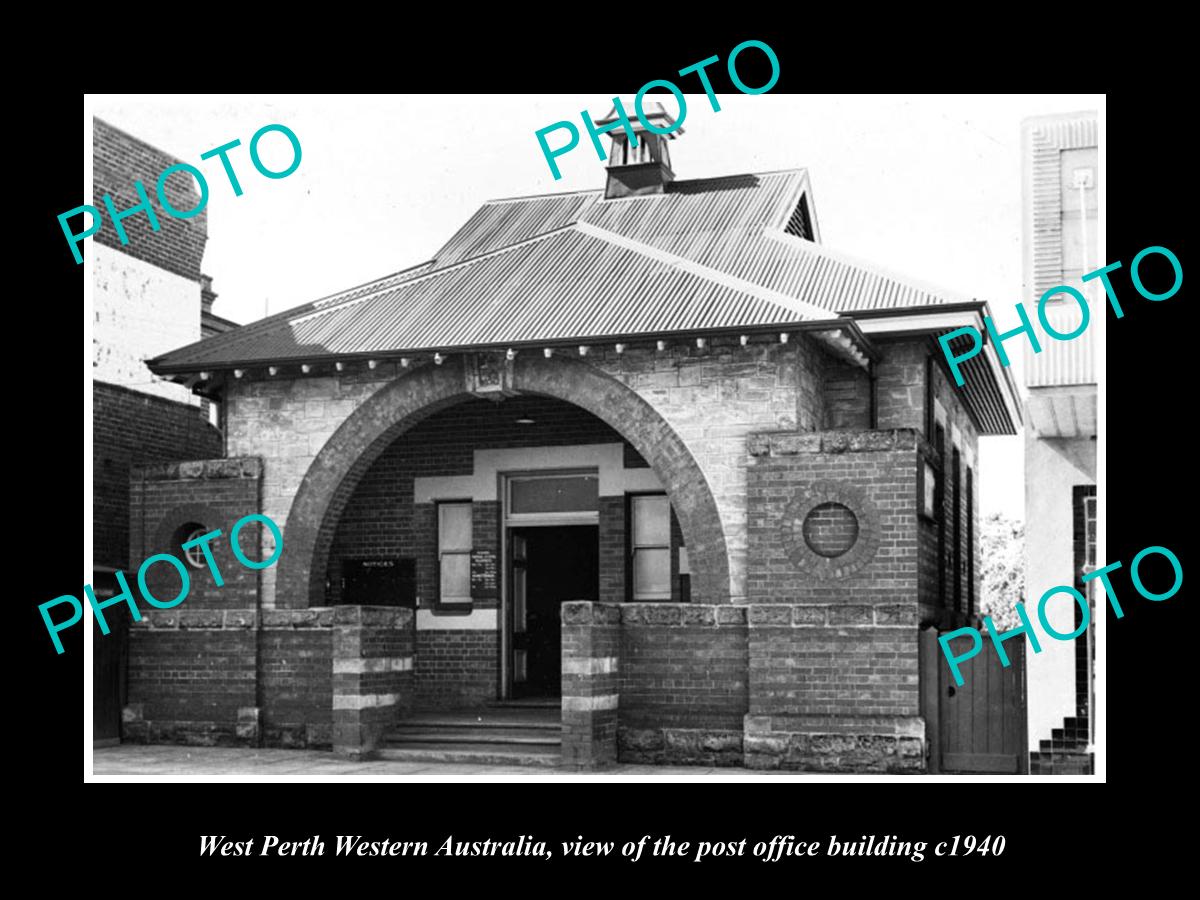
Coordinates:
168	534
831	529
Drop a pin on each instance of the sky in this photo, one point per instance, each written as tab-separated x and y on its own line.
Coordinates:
923	185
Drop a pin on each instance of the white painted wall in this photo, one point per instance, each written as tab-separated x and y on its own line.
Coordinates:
141	311
1053	467
483	483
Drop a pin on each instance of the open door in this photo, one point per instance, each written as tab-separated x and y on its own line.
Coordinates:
551	565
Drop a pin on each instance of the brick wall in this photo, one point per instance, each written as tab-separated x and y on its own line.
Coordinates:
590	683
832	639
312	678
296	660
456	667
130	429
191	676
871	473
120	159
613	550
683	683
372	676
215	494
851	661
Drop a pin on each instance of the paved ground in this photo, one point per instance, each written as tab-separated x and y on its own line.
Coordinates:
177	763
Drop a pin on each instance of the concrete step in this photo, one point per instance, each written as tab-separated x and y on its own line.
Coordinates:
528	703
424	734
482	718
477	754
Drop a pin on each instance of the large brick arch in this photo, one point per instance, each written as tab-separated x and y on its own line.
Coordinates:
336	471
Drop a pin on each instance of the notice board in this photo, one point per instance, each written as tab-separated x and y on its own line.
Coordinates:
483	575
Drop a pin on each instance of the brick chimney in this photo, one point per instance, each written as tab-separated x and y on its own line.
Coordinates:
207	295
646	168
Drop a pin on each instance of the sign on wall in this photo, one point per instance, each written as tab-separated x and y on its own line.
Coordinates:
483	575
379	582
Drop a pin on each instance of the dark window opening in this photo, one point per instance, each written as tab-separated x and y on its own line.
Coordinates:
970	542
940	505
957	550
800	224
193	556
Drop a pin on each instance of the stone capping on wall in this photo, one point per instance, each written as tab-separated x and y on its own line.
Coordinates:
682	614
897	615
587	612
236	467
833	616
241	619
793	443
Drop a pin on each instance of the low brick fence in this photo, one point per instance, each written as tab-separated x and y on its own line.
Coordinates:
656	683
590	648
733	685
326	678
372	675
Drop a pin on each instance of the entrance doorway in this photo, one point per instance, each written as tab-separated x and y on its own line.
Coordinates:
550	565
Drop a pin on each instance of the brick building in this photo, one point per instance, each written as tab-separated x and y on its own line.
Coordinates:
1060	171
643	473
149	295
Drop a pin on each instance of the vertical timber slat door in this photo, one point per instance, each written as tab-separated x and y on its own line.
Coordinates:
981	721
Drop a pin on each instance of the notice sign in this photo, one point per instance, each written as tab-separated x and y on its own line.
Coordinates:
483	575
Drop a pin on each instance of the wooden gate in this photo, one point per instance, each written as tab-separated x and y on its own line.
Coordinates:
979	726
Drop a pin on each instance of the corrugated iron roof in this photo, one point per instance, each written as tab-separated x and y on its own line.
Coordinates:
707	254
732	224
570	284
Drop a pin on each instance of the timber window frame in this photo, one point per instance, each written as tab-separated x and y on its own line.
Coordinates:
195	555
454	546
649	544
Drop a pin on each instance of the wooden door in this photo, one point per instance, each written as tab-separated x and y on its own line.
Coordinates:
518	562
981	723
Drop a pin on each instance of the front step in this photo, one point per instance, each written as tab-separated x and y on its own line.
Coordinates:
423	734
500	734
477	754
527	703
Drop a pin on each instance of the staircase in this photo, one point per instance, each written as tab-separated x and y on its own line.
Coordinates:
1066	752
510	732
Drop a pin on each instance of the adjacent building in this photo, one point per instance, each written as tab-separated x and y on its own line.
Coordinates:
148	296
1059	156
643	473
